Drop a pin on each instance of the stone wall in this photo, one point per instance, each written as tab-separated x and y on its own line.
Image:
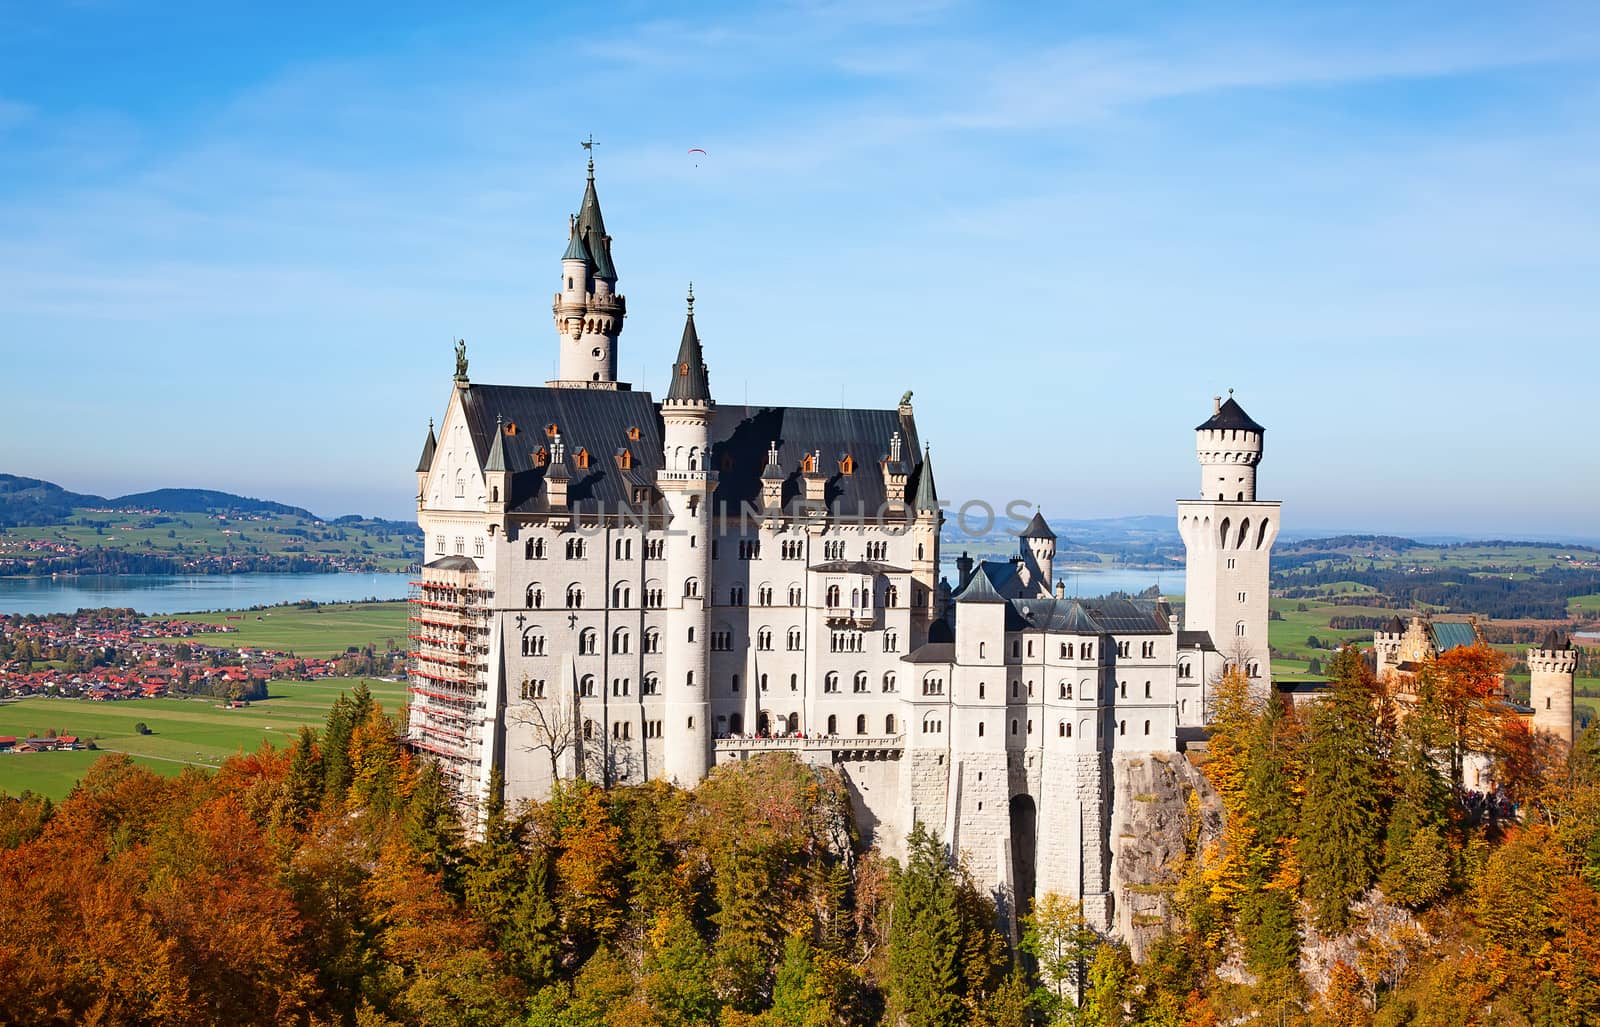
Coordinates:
1151	822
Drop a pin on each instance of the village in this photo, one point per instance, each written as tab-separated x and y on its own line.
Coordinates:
114	655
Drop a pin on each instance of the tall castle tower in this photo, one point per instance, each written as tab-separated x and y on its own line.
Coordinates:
1552	666
1228	535
588	310
686	482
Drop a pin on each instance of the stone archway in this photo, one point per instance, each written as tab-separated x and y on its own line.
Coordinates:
1024	832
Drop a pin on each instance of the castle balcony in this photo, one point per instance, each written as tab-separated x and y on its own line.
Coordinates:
815	751
851	616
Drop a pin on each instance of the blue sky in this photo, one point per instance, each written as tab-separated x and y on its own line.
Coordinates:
235	244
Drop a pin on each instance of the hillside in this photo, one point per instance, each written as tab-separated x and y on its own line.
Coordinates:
45	529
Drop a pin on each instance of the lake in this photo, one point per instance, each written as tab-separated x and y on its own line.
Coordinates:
173	593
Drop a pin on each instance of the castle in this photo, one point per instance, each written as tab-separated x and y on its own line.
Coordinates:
1401	648
627	589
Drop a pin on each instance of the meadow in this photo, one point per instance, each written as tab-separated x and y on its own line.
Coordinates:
326	630
184	732
204	534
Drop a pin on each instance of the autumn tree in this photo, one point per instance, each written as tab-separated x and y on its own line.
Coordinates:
1464	689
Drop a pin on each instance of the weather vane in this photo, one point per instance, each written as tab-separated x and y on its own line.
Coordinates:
589	143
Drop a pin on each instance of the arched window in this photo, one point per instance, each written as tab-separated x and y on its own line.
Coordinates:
461	485
982	649
980	729
586	642
891	597
1122	727
932	725
574	597
621	595
1147	689
861	681
1122	692
575	549
833	595
620	641
1066	690
650	686
1013	726
1185	669
1064	729
1239	629
888	682
1147	727
888	724
764	640
533	642
534	596
652	641
833	724
588	728
861	723
691	587
831	682
586	686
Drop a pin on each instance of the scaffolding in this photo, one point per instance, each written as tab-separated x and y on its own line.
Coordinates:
448	664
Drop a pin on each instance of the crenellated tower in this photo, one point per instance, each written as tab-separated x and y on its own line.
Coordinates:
686	482
588	309
1228	535
1552	666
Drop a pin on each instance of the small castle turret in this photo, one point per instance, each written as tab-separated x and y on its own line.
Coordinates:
1037	545
1229	447
1552	666
686	483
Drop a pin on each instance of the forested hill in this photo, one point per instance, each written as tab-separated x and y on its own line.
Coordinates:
32	502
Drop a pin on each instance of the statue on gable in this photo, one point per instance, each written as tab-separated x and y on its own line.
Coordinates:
461	360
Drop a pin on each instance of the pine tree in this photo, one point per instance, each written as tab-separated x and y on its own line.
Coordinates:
924	938
1340	819
798	996
677	980
1417	856
494	873
432	828
336	749
531	936
303	787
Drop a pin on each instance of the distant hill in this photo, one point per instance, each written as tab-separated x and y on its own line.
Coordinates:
204	501
28	501
32	502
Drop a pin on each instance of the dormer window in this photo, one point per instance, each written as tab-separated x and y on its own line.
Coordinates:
580	459
808	464
683	370
847	465
625	459
633	434
552	429
541	457
511	428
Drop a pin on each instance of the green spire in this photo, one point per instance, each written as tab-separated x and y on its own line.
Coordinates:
576	250
497	449
927	497
592	231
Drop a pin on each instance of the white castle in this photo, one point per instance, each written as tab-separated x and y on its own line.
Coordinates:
627	589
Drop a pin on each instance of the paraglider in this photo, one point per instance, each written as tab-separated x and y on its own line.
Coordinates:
701	152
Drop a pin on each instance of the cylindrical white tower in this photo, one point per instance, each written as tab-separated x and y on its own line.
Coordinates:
1228	447
1551	668
687	482
588	310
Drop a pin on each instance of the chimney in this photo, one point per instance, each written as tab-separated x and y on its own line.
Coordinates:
963	571
1216	404
1061	589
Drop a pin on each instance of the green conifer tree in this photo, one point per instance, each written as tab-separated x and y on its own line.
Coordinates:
925	938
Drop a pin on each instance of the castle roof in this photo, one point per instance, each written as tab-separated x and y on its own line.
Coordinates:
576	250
1452	634
1093	616
600	421
980	589
1231	415
1037	528
451	563
690	381
429	447
1396	625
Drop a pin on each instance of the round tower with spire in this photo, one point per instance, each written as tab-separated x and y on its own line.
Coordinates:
588	309
1228	447
1552	666
686	482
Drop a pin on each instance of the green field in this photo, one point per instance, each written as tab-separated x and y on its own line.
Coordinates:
323	631
1584	606
185	732
202	534
1288	636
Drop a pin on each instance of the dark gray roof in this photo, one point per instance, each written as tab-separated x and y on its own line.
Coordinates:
743	435
1092	616
980	589
1231	416
1396	625
1191	639
497	448
1554	639
451	563
690	381
598	420
595	420
1037	528
429	447
931	652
